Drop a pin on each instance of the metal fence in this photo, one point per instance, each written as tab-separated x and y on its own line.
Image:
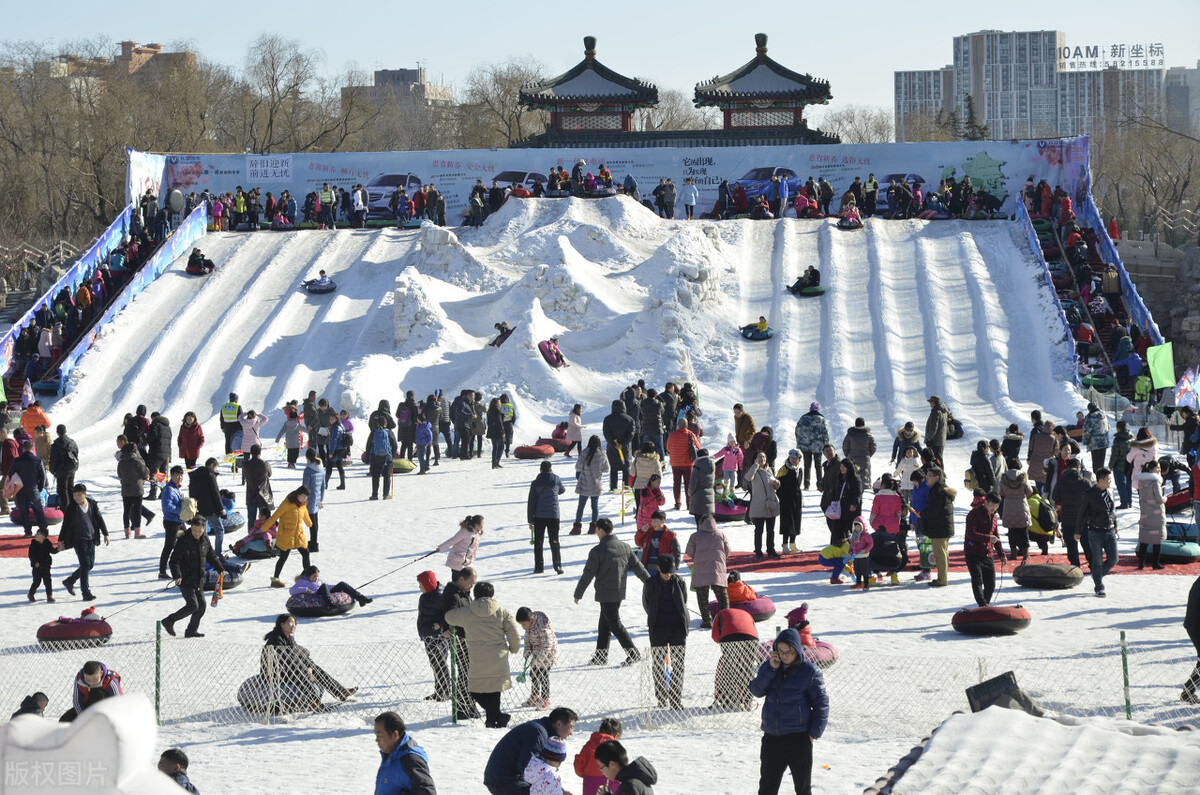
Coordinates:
701	686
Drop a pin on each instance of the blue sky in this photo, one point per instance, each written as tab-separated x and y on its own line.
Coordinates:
855	46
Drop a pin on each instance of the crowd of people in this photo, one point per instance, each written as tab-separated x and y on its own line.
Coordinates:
648	437
70	314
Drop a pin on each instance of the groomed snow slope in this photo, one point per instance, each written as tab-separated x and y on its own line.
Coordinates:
912	309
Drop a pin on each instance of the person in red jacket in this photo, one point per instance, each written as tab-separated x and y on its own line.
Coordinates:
585	761
737	633
656	541
682	445
980	540
190	439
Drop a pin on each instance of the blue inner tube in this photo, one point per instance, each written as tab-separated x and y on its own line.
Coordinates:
327	287
751	333
45	387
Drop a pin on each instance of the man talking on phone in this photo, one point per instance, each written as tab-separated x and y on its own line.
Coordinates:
794	714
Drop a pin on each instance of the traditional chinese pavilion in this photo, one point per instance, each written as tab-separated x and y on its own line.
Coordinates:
763	95
590	98
592	106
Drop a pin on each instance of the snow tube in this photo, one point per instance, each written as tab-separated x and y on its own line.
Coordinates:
954	430
1051	252
559	445
496	343
232	580
529	451
808	292
78	634
849	227
254	549
761	608
310	605
53	516
46	387
1178	551
1103	383
314	287
1047	576
1179	531
726	513
544	348
196	270
402	466
752	333
234	520
823	655
257	695
991	620
1043	225
1180	501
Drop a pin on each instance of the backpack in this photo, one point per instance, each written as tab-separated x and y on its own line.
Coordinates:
188	509
381	446
404	415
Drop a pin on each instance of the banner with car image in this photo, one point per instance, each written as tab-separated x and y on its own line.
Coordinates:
999	167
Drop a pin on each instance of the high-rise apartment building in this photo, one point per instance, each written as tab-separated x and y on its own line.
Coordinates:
1031	84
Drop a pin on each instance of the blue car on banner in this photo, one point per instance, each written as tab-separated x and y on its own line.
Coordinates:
757	180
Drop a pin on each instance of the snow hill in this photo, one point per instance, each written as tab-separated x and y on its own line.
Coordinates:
913	308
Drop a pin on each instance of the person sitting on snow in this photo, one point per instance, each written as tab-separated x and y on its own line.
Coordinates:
810	278
850	216
197	260
321	280
556	355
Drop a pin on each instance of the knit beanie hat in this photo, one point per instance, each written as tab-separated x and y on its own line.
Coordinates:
730	439
814	406
800	614
427	580
555	749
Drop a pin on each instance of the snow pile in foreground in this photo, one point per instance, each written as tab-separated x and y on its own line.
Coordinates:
980	752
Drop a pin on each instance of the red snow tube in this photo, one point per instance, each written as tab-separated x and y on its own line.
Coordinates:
53	516
1176	502
534	451
559	445
823	655
311	605
725	513
991	620
544	347
761	608
79	634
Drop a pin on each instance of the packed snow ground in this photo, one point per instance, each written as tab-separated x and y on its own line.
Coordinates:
913	308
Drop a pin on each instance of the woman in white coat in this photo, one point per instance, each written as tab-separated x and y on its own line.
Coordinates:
1152	526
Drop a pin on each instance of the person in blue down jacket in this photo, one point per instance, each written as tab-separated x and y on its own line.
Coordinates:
542	515
794	714
404	769
812	434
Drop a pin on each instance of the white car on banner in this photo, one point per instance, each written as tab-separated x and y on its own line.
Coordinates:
381	188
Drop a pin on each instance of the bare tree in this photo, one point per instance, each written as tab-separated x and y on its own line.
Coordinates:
492	97
674	111
1140	170
859	124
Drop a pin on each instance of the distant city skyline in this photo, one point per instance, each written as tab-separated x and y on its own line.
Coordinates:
672	47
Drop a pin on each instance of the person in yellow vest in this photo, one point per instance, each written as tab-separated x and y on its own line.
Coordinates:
229	420
326	198
239	207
